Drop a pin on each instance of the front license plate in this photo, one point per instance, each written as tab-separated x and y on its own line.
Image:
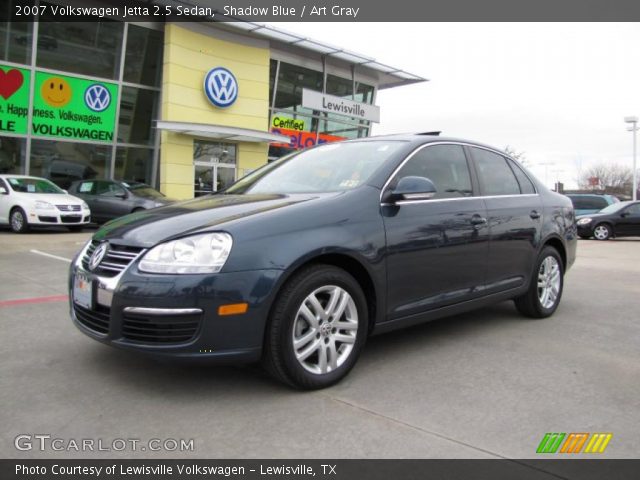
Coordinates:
82	290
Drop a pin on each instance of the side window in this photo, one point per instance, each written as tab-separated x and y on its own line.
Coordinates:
6	187
526	186
109	189
599	202
445	165
634	210
496	177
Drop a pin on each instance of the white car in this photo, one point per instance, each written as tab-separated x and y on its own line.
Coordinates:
27	201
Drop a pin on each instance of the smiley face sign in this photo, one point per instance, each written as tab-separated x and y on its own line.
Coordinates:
56	92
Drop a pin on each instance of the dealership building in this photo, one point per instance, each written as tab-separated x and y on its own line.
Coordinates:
186	107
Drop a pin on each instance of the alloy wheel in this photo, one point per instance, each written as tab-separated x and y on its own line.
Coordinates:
549	282
325	329
17	221
601	232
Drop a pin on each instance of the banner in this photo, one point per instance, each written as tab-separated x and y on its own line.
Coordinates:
14	99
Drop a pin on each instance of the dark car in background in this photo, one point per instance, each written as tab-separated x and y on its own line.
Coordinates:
585	203
297	263
109	199
618	220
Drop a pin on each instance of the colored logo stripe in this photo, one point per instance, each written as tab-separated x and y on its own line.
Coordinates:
574	443
550	442
598	443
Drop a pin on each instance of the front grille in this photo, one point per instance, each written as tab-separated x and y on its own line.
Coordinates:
170	329
96	320
68	208
71	218
117	258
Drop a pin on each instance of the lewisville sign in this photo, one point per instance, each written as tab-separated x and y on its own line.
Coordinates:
342	106
61	107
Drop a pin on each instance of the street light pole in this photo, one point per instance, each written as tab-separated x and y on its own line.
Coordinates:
634	129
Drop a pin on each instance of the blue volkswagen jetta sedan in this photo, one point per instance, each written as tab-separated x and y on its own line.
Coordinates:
296	264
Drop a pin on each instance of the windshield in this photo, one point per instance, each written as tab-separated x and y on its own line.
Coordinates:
33	185
614	207
328	168
145	191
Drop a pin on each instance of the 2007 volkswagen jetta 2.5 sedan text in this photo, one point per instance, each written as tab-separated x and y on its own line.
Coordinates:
297	263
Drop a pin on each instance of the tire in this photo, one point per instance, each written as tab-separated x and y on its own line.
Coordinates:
18	221
138	209
327	346
602	231
541	301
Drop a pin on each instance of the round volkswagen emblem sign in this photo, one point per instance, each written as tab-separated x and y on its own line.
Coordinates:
221	87
97	256
97	97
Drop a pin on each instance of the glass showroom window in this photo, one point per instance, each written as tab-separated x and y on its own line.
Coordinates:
15	39
134	164
87	48
340	87
66	162
364	93
138	108
143	56
12	154
291	80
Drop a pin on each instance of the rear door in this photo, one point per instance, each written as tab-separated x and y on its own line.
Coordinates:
437	248
514	213
112	200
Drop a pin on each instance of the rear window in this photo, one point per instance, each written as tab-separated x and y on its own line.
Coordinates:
588	203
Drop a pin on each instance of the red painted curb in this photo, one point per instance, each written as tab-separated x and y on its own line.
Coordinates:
26	301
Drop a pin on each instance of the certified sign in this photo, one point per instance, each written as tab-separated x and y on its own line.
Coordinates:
221	87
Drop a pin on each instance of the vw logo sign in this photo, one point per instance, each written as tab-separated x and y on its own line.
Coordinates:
97	97
98	255
221	87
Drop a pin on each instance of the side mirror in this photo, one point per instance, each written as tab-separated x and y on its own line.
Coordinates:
413	188
3	191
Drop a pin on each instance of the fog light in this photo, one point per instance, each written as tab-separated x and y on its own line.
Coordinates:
233	309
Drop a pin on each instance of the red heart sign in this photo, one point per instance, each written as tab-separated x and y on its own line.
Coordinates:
10	82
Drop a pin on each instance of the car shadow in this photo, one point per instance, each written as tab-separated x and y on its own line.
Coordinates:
181	380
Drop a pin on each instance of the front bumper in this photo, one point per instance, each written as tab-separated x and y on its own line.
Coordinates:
177	315
56	217
585	230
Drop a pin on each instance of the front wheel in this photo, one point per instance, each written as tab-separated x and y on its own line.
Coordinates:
602	232
18	221
545	290
317	329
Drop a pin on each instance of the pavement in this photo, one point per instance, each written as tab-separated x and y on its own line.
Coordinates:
487	384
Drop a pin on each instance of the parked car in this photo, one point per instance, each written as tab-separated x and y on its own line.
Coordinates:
109	199
585	203
28	201
300	261
618	220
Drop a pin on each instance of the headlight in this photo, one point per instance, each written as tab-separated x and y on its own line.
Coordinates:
205	253
584	221
85	206
42	205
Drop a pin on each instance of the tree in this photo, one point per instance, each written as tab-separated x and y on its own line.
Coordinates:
519	156
612	178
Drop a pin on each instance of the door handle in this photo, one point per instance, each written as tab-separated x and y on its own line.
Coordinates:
478	220
534	214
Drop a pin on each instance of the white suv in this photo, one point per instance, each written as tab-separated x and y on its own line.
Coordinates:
26	201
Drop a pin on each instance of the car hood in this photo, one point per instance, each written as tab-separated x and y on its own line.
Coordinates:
208	213
592	215
53	198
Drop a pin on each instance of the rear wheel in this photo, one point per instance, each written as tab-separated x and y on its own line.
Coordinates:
602	232
317	329
18	221
545	290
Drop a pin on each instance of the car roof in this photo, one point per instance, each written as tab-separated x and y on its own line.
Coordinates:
6	175
428	137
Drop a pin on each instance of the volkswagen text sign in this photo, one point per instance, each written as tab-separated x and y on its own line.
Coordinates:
221	87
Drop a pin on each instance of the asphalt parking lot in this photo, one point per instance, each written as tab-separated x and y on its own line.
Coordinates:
487	384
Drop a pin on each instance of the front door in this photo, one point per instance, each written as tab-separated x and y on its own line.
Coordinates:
629	221
214	166
437	248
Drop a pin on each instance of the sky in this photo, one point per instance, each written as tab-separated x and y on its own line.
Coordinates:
558	92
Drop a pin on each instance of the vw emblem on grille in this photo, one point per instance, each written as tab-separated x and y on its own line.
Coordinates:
97	97
98	255
221	87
